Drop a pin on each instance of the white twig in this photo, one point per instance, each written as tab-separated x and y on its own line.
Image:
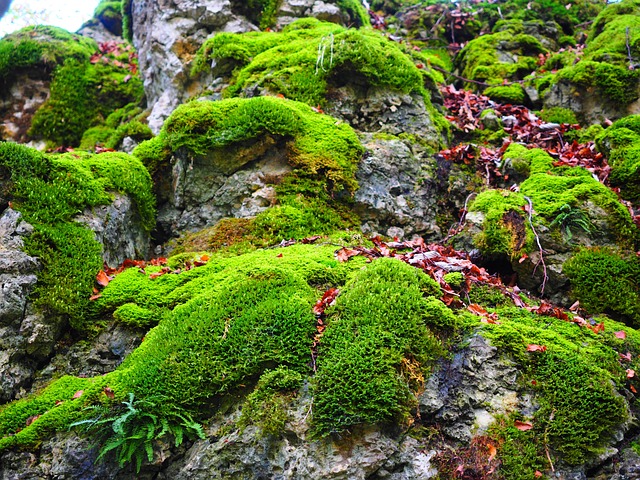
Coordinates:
545	277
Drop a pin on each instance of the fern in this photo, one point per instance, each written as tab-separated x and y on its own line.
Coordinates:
130	431
570	218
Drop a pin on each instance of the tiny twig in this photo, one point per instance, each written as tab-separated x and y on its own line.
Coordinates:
463	217
545	277
546	441
631	66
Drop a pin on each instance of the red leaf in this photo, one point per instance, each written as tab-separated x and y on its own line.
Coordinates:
108	392
631	373
156	262
78	394
538	474
95	297
345	254
204	258
327	299
126	79
597	328
279	255
625	356
621	334
32	419
523	426
493	451
102	278
536	348
311	239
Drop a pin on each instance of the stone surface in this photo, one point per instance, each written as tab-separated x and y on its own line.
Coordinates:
118	229
466	392
20	102
403	189
203	190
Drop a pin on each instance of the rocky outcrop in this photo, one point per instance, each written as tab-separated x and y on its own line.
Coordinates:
18	105
118	229
167	35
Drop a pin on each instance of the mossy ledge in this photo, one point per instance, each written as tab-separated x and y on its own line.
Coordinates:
49	190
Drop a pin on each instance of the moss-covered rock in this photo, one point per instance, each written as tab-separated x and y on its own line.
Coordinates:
50	191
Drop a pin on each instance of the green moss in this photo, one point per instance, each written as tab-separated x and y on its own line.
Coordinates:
49	191
41	46
375	350
571	381
82	95
266	405
109	13
454	279
479	59
559	115
605	282
134	315
513	94
289	63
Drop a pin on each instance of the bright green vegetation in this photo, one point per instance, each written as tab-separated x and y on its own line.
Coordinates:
377	347
83	93
558	195
605	64
323	152
621	143
606	281
480	61
49	190
302	61
318	145
131	430
41	45
266	405
127	121
573	381
559	115
513	93
224	324
109	13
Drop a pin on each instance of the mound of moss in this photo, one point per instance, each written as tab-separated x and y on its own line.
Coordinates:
482	60
86	83
610	56
49	190
308	55
558	196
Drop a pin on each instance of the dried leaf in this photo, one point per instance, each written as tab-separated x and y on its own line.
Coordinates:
493	451
523	426
78	394
631	373
95	297
32	419
621	334
536	348
108	392
327	300
102	278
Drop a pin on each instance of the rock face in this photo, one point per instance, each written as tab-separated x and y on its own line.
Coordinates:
117	227
201	193
168	34
19	103
26	337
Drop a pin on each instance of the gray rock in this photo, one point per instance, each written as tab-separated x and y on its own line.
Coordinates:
204	190
167	34
403	189
465	393
117	227
19	103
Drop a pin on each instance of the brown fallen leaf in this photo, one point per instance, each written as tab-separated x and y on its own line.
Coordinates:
327	300
108	392
32	419
493	451
102	278
536	348
523	426
78	394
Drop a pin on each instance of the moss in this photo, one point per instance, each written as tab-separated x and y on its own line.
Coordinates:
134	315
605	281
571	381
109	13
49	191
501	235
454	279
513	94
288	63
375	350
82	95
41	46
479	59
266	405
559	115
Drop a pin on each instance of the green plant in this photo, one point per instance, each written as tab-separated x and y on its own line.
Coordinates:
569	218
130	431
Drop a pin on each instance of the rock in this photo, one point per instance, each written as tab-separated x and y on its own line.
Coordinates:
401	189
117	227
168	35
465	393
201	193
19	103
